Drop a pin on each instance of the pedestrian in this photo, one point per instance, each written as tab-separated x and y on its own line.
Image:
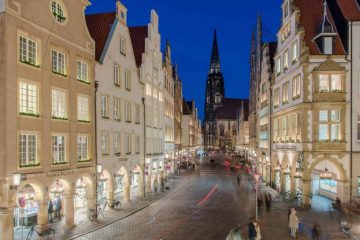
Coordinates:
293	223
50	211
235	234
252	231
289	212
315	232
257	228
155	186
260	202
162	185
238	179
193	166
267	203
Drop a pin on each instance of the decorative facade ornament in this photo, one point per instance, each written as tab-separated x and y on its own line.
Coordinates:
300	162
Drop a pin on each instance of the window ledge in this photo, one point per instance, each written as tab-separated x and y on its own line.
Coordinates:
59	118
117	154
60	74
30	114
30	165
60	163
84	81
83	121
104	117
84	161
30	64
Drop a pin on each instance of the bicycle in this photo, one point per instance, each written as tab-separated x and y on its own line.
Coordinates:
40	231
95	212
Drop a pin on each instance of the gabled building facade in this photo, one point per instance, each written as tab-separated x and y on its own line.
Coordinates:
178	113
119	110
310	95
169	118
47	133
148	56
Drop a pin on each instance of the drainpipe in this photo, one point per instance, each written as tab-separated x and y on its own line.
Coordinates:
143	101
96	153
351	111
270	133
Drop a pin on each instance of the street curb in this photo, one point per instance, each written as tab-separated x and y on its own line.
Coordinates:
114	221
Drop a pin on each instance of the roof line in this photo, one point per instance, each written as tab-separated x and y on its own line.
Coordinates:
108	40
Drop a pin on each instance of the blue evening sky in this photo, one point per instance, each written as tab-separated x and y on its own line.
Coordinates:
189	26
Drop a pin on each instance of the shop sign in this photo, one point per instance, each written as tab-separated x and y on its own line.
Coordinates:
285	146
60	173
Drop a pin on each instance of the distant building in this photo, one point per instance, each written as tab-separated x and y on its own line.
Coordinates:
220	126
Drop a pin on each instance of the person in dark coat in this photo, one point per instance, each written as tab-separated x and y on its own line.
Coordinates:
238	179
252	231
267	203
50	211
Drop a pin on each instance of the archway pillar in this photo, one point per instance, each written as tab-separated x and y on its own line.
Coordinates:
306	193
343	190
110	195
69	210
42	216
268	175
141	187
148	183
126	193
6	223
91	201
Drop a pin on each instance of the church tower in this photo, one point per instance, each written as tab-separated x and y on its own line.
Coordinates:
214	95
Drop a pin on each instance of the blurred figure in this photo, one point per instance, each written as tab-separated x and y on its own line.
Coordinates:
293	223
252	231
257	228
315	231
235	234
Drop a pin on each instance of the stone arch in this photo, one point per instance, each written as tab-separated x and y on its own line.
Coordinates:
68	187
123	170
329	160
36	186
89	189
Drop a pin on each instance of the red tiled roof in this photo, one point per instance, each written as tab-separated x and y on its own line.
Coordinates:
230	108
138	36
311	14
99	26
350	9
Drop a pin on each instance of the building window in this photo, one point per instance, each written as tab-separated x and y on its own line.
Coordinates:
329	127
358	185
128	144
117	144
27	150
117	75
58	149
278	66
128	112
82	72
105	107
28	99
122	46
294	52
104	139
137	145
28	51
58	11
160	96
286	9
284	124
137	113
286	60
276	97
59	109
117	110
58	62
328	45
83	109
285	93
148	89
330	82
83	148
296	92
127	75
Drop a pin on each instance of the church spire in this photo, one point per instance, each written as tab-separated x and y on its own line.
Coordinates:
215	57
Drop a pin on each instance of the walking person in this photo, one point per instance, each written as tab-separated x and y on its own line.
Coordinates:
293	223
162	184
235	234
257	228
267	203
315	231
58	208
252	231
50	211
238	179
260	202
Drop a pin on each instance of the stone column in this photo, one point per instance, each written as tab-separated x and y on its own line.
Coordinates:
306	193
91	202
42	215
148	183
268	174
126	193
110	196
6	224
69	211
141	187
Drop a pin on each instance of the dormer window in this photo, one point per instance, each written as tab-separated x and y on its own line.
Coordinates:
325	35
286	10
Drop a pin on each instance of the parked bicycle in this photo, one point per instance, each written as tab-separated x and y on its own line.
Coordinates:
95	212
41	231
